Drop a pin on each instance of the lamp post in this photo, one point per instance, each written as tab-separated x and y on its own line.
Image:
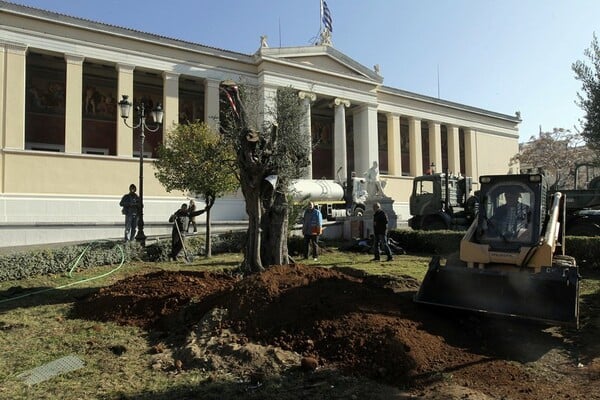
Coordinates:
157	116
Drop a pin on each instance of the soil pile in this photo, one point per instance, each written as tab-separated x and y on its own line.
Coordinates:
342	319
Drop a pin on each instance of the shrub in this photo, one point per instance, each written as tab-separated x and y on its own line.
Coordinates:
62	259
429	242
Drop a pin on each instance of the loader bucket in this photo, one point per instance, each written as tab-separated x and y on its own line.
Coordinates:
550	296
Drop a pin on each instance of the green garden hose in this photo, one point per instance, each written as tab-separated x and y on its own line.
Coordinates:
70	275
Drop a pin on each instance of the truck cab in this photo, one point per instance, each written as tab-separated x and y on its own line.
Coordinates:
439	201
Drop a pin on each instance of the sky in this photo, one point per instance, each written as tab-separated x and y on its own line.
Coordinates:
499	55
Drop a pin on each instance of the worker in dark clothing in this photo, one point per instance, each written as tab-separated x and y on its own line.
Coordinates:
130	207
180	220
380	223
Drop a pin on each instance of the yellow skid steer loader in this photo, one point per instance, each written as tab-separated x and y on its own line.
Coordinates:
508	257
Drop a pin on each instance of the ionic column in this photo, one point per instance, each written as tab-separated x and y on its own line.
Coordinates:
307	98
394	151
268	105
211	102
15	94
435	146
339	138
415	146
453	149
366	142
124	87
471	154
73	104
170	102
2	97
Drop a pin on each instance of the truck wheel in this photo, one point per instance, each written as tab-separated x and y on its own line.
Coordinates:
583	230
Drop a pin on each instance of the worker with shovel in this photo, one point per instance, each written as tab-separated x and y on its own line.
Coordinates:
180	219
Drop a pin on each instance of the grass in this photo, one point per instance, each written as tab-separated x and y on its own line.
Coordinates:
35	330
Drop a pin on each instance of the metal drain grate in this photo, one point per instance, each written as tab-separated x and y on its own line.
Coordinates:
51	369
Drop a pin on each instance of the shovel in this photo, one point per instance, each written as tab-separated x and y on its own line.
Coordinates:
188	258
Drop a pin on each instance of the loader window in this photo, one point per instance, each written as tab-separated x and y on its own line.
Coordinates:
508	212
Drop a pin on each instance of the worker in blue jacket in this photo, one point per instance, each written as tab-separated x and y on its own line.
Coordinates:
312	227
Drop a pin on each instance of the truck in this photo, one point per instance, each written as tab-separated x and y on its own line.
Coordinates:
582	214
334	198
510	262
442	201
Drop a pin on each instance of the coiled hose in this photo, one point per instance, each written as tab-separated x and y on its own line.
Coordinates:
70	274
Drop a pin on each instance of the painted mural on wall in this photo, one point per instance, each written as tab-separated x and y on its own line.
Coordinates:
99	98
45	92
191	107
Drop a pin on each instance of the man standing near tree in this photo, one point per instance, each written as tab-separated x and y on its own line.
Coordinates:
312	225
380	223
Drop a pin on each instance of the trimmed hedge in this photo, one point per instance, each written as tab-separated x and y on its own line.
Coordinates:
586	250
61	259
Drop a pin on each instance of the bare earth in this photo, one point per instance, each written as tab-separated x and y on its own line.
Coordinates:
318	319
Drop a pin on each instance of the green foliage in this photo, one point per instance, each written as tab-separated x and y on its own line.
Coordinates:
586	251
230	242
291	148
196	159
589	97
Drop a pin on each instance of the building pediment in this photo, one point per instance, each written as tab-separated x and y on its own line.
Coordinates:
326	59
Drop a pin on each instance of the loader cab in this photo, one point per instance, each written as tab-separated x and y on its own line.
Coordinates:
511	211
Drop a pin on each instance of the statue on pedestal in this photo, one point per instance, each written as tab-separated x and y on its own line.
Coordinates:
374	184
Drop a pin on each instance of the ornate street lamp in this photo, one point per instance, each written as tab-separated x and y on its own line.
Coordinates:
157	116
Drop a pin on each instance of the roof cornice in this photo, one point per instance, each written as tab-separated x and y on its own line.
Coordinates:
81	23
447	103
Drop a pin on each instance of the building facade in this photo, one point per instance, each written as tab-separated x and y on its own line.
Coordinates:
66	157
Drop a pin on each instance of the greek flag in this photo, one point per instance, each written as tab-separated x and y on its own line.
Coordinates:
326	16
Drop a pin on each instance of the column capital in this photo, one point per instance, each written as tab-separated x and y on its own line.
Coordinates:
125	68
74	59
310	96
341	102
15	48
392	114
170	75
412	118
213	83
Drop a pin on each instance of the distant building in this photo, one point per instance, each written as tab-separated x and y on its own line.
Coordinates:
66	157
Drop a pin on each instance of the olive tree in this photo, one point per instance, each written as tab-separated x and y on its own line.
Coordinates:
270	151
196	159
589	97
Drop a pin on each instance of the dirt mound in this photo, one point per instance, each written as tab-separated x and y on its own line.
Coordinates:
358	324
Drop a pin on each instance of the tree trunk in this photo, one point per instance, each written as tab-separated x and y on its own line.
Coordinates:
252	260
276	247
208	242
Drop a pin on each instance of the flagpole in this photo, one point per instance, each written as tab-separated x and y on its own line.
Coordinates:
321	16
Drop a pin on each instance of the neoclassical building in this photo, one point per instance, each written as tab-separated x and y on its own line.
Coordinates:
66	157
